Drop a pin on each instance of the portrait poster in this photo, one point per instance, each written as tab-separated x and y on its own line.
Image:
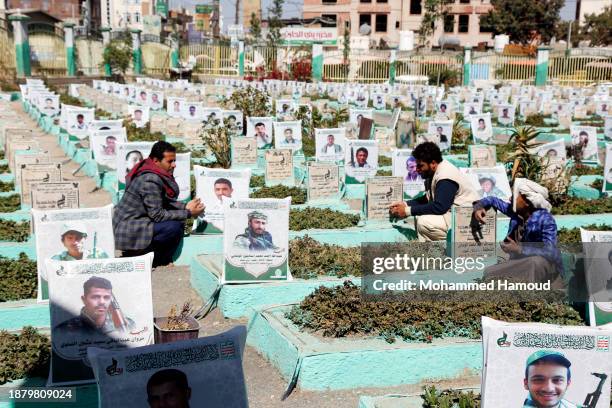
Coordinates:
577	357
203	372
607	187
444	110
600	312
360	160
155	100
378	101
330	144
482	156
37	173
285	108
234	120
139	114
584	139
71	234
260	128
489	181
212	187
552	151
279	167
482	131
128	155
256	240
106	303
174	107
49	105
79	120
24	157
55	196
356	115
602	108
182	175
404	133
193	111
105	124
608	128
381	192
470	109
443	129
323	181
505	115
212	115
288	135
404	166
103	144
465	243
243	151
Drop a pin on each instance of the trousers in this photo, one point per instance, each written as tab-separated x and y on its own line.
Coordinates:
432	227
167	236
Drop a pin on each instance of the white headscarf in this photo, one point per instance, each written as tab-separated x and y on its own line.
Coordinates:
535	193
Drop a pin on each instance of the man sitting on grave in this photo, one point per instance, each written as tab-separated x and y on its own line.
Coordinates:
445	187
531	241
149	218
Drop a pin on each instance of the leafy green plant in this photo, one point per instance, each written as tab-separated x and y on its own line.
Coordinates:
14	231
257	181
102	114
4	168
575	206
309	259
597	184
308	141
141	134
118	54
70	100
580	169
6	186
10	203
536	119
335	117
443	76
432	398
9	86
572	235
216	138
18	278
251	101
384	161
384	173
320	218
298	195
524	163
23	355
341	311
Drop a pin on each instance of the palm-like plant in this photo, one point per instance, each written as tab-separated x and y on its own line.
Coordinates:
525	164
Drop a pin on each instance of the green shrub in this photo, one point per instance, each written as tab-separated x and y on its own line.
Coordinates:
14	231
71	100
9	86
309	258
597	184
384	161
576	206
341	311
4	168
572	235
537	119
257	181
142	134
320	218
580	169
99	114
10	203
384	173
432	398
6	186
298	195
18	278
23	355
443	76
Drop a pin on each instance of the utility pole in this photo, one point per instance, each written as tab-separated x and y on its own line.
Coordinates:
237	13
569	38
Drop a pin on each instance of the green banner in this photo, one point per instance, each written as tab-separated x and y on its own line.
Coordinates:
204	9
162	8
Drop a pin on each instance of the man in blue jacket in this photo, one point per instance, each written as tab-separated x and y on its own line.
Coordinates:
531	241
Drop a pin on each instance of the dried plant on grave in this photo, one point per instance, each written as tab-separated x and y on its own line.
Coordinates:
297	194
432	398
320	218
18	278
251	101
141	134
24	355
10	203
309	259
216	138
572	235
257	181
14	231
460	135
179	320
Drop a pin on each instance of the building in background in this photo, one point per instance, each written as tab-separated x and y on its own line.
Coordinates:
248	8
125	14
72	11
386	18
584	7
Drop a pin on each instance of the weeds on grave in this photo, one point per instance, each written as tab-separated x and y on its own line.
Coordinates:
257	181
384	161
566	205
2	155
8	86
141	134
340	311
188	226
572	235
10	203
4	168
580	169
7	186
597	184
536	119
298	195
18	278
320	218
304	115
179	320
384	173
102	114
70	100
310	259
432	398
23	355
14	231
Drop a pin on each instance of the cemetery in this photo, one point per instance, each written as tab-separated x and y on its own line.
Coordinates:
311	192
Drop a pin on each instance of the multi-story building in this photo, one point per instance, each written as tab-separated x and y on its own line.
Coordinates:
387	18
248	8
125	14
65	10
584	7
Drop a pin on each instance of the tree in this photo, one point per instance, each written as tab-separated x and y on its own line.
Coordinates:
434	11
275	24
118	54
255	29
596	27
523	20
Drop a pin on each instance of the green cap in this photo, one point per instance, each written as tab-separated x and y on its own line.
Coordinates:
551	355
258	215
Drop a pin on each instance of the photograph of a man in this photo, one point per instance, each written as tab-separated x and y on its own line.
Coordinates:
155	99
100	313
138	116
411	167
80	125
49	105
481	125
168	389
443	108
443	137
131	159
74	237
255	237
109	148
361	159
223	188
488	187
264	141
192	111
288	132
547	378
176	107
331	147
143	96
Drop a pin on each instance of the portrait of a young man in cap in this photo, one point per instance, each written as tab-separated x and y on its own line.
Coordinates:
74	236
547	378
255	237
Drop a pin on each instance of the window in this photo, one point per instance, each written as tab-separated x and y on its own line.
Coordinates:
365	1
137	17
397	25
464	23
329	1
449	23
484	29
464	1
381	1
365	19
381	23
415	6
329	20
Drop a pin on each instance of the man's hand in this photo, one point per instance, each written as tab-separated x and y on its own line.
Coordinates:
398	210
480	214
510	246
195	207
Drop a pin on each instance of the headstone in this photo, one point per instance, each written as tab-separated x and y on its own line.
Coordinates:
381	192
279	167
323	181
55	196
37	173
